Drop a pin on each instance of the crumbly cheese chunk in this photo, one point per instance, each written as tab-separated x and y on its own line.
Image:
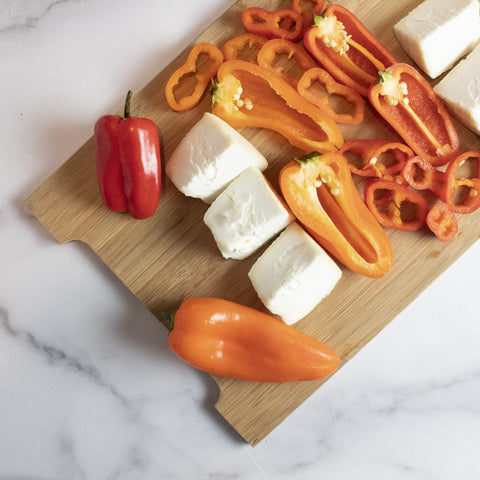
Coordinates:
246	215
438	32
293	274
209	157
460	90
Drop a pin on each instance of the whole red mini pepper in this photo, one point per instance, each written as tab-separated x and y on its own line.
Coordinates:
395	206
412	108
232	340
129	170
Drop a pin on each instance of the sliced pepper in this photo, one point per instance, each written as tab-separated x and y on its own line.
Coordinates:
409	104
461	191
355	111
243	47
422	175
346	48
369	153
320	192
394	205
247	95
307	9
442	222
232	340
296	55
202	73
283	23
128	163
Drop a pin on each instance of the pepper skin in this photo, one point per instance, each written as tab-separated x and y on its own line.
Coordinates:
352	116
203	76
370	151
247	95
244	47
296	54
346	48
128	163
232	340
322	195
462	193
395	206
442	222
284	23
409	104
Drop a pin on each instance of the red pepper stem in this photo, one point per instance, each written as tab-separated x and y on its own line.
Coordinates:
126	109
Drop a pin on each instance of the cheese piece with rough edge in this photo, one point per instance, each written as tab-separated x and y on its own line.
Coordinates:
246	215
438	32
209	157
293	275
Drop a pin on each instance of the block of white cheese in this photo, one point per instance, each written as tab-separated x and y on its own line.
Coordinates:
293	274
460	90
209	157
247	214
438	32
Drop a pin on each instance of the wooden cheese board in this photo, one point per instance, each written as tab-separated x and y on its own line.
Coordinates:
172	255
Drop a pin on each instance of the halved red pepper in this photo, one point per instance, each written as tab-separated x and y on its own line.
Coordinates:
232	340
442	222
243	47
307	8
283	23
461	192
422	175
346	48
394	205
370	152
320	192
202	73
296	54
247	95
355	111
128	163
409	104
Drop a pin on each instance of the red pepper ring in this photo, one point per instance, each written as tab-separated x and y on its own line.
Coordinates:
307	9
422	175
247	44
461	192
395	205
202	76
296	55
442	222
353	116
284	23
128	163
370	153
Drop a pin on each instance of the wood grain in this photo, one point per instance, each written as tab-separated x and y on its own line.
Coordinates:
172	256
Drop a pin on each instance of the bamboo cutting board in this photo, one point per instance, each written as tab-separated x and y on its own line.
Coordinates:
172	255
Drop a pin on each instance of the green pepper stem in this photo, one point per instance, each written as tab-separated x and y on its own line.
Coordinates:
126	109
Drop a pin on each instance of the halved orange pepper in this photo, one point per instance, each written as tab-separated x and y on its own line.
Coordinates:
243	47
248	95
283	23
320	192
300	59
346	48
353	114
202	76
409	104
370	153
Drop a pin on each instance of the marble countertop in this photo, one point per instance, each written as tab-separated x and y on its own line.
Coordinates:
73	403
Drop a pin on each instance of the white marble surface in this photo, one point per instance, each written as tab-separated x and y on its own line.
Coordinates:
85	393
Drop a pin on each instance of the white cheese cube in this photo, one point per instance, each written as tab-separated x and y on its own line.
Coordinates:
460	90
438	32
246	215
293	274
209	157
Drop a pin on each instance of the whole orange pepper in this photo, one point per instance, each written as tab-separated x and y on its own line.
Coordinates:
203	76
248	95
232	340
320	192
